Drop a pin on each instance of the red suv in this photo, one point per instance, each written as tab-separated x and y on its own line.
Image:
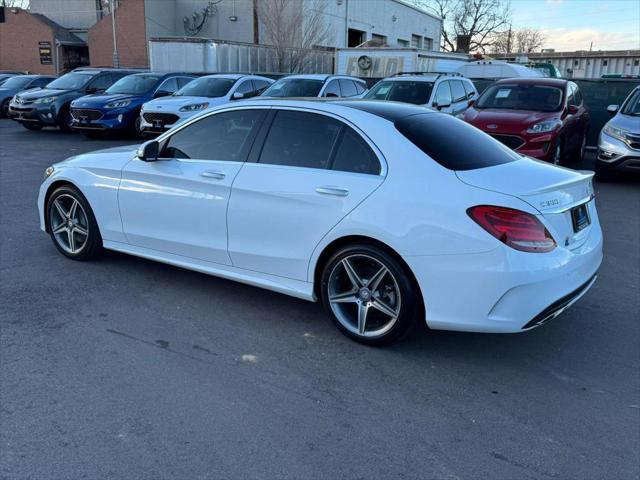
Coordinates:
545	118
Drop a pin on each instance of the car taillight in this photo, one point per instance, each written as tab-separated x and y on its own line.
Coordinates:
517	229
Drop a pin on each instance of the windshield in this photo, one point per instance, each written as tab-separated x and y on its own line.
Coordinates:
206	87
526	96
417	93
71	81
294	87
632	106
17	82
134	84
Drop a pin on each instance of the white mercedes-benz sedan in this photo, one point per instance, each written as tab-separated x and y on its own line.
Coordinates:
385	212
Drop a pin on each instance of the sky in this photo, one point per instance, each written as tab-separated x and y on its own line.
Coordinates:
573	24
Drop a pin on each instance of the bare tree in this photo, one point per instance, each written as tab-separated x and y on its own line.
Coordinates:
525	40
293	28
529	40
15	3
480	19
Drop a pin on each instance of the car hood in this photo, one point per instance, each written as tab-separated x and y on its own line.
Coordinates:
172	104
107	159
100	100
45	92
488	119
626	122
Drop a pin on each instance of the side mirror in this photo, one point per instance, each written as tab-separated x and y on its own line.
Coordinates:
573	109
237	96
161	93
149	151
613	109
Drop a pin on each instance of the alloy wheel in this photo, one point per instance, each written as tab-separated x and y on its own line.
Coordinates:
69	224
364	295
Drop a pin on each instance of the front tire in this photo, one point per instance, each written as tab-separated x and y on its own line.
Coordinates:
369	295
558	154
32	126
72	225
64	120
4	109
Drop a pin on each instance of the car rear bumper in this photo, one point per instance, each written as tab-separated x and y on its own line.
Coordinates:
505	291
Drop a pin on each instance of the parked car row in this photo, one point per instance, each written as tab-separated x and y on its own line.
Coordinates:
544	118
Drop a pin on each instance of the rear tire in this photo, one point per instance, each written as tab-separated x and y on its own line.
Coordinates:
134	128
369	295
72	225
581	150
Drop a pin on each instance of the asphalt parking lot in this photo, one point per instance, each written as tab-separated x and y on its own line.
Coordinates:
128	369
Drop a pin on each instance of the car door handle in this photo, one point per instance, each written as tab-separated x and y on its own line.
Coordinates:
337	191
217	174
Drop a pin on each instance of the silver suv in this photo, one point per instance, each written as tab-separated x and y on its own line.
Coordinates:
619	143
446	92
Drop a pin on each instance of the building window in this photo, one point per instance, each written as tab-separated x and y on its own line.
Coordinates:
605	63
428	43
636	62
356	37
416	41
576	63
403	43
381	39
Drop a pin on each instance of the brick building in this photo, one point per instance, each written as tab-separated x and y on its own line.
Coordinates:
130	37
34	43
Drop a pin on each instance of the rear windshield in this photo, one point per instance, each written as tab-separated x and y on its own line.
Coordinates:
524	96
206	87
452	143
134	84
401	91
294	87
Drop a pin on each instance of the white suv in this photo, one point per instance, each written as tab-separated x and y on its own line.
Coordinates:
446	92
163	113
317	85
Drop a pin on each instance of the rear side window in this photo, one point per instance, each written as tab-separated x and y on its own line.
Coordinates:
348	88
354	155
300	139
452	143
457	91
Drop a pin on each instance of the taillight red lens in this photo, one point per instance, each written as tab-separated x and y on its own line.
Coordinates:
519	230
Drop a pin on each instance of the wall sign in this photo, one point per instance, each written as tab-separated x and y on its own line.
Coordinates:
45	53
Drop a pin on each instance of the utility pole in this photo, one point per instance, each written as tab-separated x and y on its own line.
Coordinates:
509	40
116	60
346	23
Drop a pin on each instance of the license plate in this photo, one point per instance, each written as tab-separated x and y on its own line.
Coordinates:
580	217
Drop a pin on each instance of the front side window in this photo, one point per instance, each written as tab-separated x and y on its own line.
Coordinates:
443	94
294	87
457	90
526	96
134	84
348	88
300	139
71	81
170	85
101	83
206	87
260	85
361	87
223	136
417	93
246	88
332	90
182	81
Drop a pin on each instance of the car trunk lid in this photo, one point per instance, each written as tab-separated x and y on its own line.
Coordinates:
556	192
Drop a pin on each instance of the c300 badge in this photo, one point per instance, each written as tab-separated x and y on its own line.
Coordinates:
550	203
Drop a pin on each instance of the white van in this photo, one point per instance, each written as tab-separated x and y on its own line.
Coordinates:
496	69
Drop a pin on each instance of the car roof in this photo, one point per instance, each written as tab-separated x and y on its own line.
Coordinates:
388	110
553	82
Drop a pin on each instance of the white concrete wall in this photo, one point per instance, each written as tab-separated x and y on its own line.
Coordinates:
595	67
